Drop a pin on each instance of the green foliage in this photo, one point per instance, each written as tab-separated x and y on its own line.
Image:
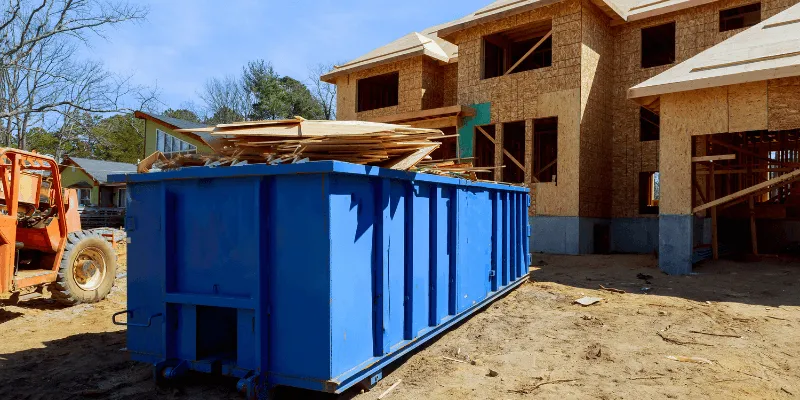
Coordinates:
278	97
117	138
186	115
224	115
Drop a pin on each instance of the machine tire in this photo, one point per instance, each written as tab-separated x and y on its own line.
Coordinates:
76	285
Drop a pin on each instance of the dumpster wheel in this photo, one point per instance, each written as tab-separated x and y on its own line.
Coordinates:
87	271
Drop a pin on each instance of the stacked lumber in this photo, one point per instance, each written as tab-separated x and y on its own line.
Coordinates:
452	169
290	141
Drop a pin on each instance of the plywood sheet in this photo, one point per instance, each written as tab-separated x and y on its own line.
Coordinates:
561	198
784	104
747	107
676	156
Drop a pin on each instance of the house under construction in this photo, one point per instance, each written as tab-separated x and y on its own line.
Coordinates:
641	126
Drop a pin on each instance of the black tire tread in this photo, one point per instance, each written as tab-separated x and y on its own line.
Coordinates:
60	290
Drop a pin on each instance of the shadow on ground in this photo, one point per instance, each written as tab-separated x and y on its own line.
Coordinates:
96	366
769	282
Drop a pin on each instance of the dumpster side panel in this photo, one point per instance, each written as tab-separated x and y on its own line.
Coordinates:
418	267
441	253
353	221
146	272
299	277
212	280
474	261
390	268
203	263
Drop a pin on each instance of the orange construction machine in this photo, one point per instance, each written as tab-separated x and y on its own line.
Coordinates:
41	241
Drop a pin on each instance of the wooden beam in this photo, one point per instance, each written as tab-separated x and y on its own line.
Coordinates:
744	171
781	180
750	153
536	46
547	166
514	160
712	194
463	111
699	192
436	123
753	234
723	157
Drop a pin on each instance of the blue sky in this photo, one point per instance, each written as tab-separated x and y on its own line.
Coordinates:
185	42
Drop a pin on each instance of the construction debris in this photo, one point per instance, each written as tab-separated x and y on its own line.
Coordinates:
588	301
694	360
397	147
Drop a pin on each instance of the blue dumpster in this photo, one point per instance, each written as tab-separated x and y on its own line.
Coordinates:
314	275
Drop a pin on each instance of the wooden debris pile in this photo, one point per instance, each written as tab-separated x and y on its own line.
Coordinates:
452	169
291	141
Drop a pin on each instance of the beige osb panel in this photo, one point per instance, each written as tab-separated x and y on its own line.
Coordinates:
345	99
784	104
697	29
410	97
432	84
596	133
747	107
450	82
513	97
676	156
561	199
702	112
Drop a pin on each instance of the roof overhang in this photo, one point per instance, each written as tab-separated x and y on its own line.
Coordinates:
414	45
147	117
768	50
398	56
490	13
68	162
658	7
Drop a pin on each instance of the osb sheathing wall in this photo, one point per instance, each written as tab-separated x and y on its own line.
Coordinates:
772	105
421	87
450	81
697	29
596	132
546	92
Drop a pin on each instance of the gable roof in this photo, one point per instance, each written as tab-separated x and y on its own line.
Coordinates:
769	50
412	45
435	41
497	10
97	169
172	123
176	124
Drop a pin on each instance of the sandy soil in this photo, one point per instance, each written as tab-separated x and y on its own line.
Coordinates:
740	320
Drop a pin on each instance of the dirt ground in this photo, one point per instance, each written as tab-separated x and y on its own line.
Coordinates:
739	320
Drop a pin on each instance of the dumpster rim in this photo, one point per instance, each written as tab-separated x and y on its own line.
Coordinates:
315	167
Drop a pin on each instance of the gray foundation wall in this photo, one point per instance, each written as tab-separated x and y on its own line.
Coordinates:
566	235
634	235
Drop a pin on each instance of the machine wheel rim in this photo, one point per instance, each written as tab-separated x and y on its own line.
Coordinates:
89	269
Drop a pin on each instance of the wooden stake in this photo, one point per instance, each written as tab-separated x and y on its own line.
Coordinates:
712	195
753	233
514	160
525	57
389	390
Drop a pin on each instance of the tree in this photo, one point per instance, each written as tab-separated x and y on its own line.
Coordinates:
184	114
226	100
298	100
323	92
117	140
263	83
39	75
224	115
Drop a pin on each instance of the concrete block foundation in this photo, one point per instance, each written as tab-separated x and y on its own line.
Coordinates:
676	243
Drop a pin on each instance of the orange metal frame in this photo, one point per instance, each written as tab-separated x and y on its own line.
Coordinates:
48	240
